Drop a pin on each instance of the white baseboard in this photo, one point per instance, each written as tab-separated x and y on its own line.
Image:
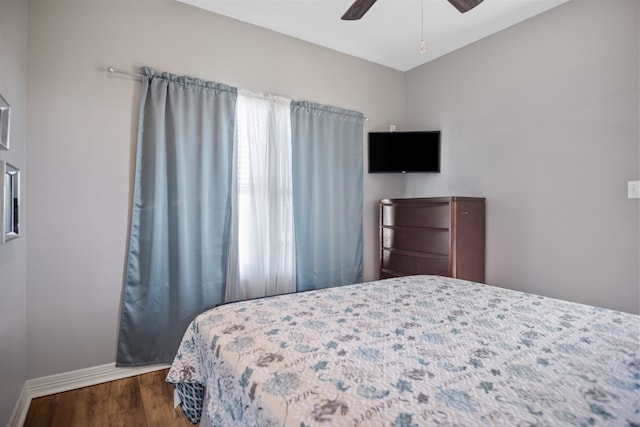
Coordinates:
20	410
66	381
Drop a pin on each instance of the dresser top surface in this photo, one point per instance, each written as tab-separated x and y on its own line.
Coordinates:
444	199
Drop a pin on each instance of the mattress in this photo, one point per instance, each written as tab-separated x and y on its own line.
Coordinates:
410	351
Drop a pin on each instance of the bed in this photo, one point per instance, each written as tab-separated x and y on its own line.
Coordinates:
410	351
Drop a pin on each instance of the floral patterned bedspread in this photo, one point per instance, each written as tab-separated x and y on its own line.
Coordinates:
413	351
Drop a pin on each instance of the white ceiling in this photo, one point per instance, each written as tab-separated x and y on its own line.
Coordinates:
390	32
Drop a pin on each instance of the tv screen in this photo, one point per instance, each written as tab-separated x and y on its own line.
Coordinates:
404	152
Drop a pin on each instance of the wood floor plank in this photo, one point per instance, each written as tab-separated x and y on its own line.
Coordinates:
66	412
92	404
61	412
40	412
86	403
141	401
125	407
159	411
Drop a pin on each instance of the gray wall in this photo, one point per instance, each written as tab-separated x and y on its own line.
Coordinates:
542	120
82	133
13	347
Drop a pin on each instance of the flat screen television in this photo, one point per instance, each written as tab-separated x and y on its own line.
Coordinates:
403	152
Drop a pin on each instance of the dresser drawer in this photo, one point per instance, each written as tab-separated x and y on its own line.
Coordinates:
424	215
413	263
430	240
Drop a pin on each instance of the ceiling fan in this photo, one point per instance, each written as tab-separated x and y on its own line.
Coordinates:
360	7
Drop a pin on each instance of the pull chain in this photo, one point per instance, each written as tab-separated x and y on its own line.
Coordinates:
422	49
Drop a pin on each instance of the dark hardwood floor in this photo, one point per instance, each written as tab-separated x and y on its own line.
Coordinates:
141	401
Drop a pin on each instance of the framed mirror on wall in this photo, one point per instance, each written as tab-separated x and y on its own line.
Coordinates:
10	191
5	109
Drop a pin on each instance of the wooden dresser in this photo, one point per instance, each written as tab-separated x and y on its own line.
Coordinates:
436	235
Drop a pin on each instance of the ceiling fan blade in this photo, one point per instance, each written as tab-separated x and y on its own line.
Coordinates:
358	9
465	5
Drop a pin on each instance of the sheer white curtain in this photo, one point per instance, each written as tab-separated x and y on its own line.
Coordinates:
262	253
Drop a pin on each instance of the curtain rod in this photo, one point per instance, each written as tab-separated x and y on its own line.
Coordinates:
112	70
